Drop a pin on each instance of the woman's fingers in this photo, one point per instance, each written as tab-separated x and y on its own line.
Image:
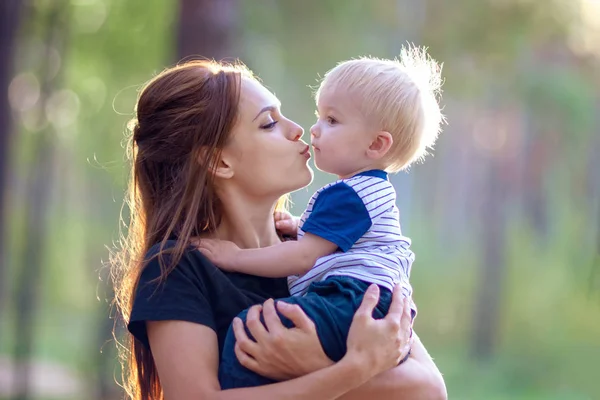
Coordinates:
295	314
397	306
369	301
399	313
274	354
405	351
411	340
242	340
272	320
254	324
245	359
406	321
380	343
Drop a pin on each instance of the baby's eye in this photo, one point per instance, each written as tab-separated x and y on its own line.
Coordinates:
331	120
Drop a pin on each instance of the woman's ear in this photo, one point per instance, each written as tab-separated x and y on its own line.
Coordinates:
219	166
381	144
222	169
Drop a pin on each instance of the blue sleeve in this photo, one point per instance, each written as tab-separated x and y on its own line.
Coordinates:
338	215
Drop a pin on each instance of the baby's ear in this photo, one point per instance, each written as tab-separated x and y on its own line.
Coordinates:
381	144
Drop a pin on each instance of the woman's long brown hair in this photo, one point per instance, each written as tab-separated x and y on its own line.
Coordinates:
184	117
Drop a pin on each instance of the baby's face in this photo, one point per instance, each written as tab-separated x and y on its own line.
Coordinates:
341	135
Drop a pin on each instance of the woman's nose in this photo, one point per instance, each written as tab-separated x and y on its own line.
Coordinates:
296	132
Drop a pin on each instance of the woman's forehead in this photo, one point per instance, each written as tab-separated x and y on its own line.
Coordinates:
254	97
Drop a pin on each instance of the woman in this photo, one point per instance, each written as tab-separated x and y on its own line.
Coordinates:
212	157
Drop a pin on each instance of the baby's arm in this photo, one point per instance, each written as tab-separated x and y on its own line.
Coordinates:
277	261
338	218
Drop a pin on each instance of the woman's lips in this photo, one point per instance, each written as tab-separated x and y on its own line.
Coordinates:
306	152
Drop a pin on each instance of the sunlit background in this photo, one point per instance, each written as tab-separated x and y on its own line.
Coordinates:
504	217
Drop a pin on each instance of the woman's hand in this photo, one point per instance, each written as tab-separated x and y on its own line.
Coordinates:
279	353
378	345
286	224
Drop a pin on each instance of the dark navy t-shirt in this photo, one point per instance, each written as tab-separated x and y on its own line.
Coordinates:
197	291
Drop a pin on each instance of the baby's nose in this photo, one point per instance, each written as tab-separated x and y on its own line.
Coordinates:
314	131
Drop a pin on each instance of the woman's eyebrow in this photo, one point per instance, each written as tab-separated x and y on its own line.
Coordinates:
265	109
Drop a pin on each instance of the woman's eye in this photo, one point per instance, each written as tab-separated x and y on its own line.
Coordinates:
269	126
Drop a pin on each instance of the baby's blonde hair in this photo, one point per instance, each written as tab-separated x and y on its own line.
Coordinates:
400	95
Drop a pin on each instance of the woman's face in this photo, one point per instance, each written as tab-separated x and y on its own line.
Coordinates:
266	154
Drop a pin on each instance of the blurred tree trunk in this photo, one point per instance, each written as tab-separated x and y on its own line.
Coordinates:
39	181
207	28
595	279
106	355
10	12
493	264
594	184
538	160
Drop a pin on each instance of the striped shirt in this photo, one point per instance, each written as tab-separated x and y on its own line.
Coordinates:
360	215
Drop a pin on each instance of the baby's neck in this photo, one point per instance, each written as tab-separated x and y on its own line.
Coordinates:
358	171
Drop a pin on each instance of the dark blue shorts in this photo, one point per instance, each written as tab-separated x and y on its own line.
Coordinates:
331	304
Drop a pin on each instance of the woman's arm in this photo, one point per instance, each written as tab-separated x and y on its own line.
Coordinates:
418	378
186	357
188	367
276	348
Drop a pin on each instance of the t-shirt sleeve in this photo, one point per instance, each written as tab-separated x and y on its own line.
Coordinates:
180	296
338	215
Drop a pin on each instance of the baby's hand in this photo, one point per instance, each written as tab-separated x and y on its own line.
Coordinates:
222	253
286	223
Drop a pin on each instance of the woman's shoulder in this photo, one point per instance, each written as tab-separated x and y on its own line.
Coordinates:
190	268
173	291
195	270
166	247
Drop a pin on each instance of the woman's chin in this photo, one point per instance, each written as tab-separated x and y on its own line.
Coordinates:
302	179
310	175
